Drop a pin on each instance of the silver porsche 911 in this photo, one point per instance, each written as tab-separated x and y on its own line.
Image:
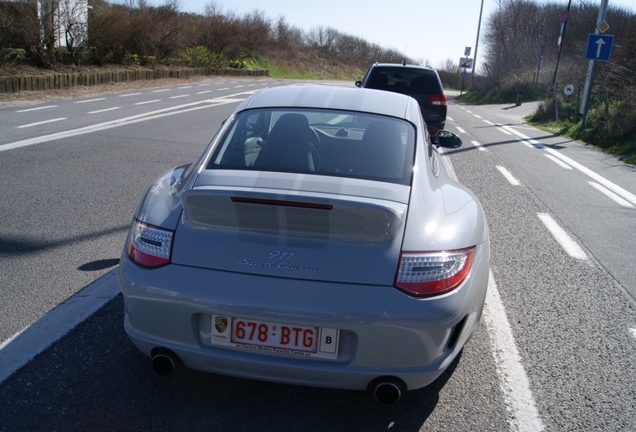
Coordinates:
317	241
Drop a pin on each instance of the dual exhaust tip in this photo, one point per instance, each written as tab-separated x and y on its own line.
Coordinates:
385	390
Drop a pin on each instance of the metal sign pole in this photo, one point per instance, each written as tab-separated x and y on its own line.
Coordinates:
589	78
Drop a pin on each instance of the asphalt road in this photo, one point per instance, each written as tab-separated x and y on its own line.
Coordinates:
556	350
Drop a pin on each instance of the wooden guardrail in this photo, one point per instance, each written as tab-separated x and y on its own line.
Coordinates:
70	80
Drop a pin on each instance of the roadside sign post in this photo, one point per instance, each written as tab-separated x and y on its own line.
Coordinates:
599	48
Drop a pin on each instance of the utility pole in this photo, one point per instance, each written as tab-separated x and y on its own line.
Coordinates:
472	76
564	21
591	67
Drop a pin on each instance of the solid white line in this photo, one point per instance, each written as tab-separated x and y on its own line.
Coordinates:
566	242
602	180
611	195
37	109
511	179
25	345
515	384
558	162
179	109
40	123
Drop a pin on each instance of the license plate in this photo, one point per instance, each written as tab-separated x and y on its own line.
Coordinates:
272	337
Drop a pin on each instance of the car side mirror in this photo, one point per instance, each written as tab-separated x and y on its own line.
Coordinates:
358	83
444	138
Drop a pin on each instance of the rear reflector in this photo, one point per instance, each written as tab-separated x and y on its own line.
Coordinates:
425	274
149	246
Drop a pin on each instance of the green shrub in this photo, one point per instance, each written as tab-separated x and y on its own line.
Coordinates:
13	55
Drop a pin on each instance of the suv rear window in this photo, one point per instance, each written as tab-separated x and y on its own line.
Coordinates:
404	80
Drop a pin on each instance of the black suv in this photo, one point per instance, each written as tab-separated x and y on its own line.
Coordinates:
419	82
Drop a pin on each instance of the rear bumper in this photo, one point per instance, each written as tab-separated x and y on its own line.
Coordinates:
383	332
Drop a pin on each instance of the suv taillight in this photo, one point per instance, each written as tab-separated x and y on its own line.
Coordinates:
148	245
438	99
425	274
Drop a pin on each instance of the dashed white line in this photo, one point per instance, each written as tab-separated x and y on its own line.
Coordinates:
104	110
40	123
161	90
90	100
461	130
478	145
566	242
204	92
515	384
179	96
37	109
611	195
148	102
129	94
511	179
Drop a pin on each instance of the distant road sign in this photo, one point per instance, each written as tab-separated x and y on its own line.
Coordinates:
599	47
466	62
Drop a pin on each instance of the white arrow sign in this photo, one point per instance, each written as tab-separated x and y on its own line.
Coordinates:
599	47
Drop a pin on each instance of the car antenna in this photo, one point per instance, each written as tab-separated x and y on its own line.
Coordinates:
404	62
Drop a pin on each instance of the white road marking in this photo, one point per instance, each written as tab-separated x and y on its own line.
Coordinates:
558	162
104	110
32	340
148	102
461	130
633	331
40	123
179	96
90	100
478	145
179	109
566	242
37	109
515	384
600	179
511	179
611	195
130	94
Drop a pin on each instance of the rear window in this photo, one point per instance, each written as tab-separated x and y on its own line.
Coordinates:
404	80
323	142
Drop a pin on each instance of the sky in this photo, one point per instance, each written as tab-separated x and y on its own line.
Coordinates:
428	31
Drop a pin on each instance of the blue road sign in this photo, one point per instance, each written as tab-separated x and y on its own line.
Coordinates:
599	47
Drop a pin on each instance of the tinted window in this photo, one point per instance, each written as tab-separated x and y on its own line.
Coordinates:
325	142
404	80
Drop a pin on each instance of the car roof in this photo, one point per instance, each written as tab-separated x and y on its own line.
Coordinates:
332	97
409	66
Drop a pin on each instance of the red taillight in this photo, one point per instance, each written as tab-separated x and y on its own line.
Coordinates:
438	99
149	246
425	274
